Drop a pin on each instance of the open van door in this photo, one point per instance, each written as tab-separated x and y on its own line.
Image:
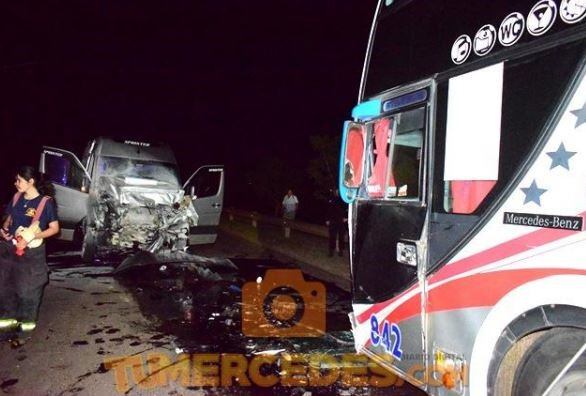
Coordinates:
206	188
71	181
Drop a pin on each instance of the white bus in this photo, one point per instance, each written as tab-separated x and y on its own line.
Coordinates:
464	167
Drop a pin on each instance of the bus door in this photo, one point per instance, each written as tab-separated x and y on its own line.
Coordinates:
386	184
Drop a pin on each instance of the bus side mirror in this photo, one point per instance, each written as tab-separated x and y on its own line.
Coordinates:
352	160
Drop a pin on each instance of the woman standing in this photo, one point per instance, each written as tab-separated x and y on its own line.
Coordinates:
23	267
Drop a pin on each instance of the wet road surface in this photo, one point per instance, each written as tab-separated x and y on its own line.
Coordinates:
176	328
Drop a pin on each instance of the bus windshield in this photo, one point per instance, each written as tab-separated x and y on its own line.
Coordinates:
402	44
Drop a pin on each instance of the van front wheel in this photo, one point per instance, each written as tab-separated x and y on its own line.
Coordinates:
88	248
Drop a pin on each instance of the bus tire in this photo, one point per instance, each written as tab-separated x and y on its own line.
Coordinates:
546	357
503	384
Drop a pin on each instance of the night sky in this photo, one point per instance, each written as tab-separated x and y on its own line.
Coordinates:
222	82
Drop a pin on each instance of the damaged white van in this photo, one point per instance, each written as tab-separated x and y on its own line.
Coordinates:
126	195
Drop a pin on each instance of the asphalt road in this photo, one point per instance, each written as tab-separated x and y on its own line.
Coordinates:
177	329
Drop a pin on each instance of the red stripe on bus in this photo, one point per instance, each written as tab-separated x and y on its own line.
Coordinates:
382	305
504	250
465	292
499	252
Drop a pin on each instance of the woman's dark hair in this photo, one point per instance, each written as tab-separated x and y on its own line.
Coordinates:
44	187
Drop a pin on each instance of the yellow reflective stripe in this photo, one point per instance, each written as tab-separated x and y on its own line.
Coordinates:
8	323
28	326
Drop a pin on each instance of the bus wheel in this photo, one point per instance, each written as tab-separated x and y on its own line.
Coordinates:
506	374
547	356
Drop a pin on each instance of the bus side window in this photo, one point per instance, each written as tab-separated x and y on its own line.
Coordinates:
395	168
473	134
406	176
379	158
472	166
464	196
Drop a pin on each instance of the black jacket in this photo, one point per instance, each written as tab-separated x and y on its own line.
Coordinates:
337	210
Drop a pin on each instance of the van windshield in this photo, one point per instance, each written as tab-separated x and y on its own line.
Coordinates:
131	168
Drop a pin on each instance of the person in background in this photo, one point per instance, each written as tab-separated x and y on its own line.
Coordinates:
336	219
290	205
31	217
